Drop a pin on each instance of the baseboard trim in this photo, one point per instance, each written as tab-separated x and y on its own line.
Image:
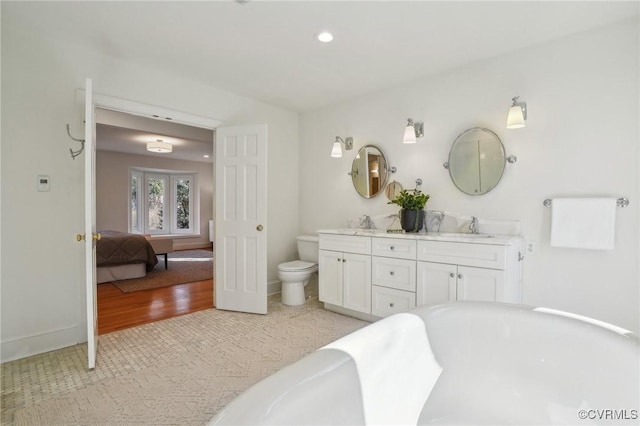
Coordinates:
274	287
190	246
351	313
22	347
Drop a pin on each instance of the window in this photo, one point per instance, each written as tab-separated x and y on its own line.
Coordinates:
135	202
163	202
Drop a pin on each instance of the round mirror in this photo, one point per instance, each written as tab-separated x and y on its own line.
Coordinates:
393	190
369	171
476	161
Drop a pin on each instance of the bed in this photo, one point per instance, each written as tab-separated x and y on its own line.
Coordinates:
121	256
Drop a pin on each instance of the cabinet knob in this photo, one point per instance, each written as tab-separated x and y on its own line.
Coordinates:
392	247
344	260
338	259
452	274
391	273
391	305
460	276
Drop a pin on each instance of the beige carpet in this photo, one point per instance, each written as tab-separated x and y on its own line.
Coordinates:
185	266
179	371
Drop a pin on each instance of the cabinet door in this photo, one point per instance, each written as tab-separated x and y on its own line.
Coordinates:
330	277
479	284
356	276
436	283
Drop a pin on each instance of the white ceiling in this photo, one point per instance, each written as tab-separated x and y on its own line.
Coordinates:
266	50
120	132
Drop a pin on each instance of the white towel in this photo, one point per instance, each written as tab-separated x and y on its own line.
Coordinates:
583	223
396	367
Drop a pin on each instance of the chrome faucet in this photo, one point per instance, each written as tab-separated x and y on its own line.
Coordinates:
473	226
365	222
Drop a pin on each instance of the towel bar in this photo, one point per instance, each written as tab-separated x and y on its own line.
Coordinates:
621	202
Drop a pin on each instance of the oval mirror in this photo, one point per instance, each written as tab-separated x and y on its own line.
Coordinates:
369	171
476	161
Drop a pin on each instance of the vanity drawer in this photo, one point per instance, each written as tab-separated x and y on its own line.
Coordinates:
480	255
394	273
345	243
394	247
389	301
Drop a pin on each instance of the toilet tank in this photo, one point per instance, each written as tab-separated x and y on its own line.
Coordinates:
308	247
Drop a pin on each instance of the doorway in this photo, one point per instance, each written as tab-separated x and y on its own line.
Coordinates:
122	152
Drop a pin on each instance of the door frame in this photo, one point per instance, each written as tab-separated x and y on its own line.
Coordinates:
149	111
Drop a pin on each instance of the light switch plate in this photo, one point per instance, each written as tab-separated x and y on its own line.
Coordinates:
43	183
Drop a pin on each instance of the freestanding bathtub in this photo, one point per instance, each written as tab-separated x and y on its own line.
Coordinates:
458	363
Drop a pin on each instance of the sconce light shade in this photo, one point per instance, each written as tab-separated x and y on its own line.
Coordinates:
159	146
413	131
517	114
336	151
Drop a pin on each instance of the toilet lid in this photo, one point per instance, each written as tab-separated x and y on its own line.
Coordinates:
296	265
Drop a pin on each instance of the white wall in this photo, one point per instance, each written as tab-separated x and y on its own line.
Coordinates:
581	139
112	191
42	264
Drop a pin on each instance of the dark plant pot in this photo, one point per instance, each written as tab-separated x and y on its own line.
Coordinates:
411	220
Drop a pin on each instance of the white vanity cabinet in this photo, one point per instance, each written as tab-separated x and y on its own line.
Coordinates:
378	275
449	271
345	272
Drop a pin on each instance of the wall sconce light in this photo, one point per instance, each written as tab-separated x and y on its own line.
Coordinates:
517	114
413	131
159	146
336	151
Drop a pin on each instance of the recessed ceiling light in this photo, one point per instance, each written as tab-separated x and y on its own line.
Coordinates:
325	37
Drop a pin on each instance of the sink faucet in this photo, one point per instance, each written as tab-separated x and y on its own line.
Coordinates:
473	226
365	221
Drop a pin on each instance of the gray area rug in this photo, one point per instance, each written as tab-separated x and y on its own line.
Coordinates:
184	266
179	371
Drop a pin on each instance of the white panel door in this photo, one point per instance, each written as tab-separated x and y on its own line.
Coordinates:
241	214
90	224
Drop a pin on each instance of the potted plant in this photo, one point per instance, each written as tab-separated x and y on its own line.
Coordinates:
412	204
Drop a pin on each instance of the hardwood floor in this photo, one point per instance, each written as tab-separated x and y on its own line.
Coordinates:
118	310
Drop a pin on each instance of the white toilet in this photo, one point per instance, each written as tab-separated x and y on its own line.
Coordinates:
296	274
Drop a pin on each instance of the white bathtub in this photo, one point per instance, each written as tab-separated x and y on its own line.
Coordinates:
459	363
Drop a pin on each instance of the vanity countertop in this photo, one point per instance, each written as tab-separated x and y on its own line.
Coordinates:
492	239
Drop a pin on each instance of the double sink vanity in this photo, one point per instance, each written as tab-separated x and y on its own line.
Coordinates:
369	273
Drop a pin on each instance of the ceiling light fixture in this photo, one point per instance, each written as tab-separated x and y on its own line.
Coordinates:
336	151
325	37
159	146
517	114
413	131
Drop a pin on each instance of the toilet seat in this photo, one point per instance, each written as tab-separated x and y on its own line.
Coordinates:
296	265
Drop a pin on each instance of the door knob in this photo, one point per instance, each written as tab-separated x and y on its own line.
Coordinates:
97	236
79	237
259	227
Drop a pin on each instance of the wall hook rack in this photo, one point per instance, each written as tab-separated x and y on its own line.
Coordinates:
77	152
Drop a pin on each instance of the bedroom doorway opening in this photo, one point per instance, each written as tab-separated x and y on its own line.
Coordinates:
166	198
